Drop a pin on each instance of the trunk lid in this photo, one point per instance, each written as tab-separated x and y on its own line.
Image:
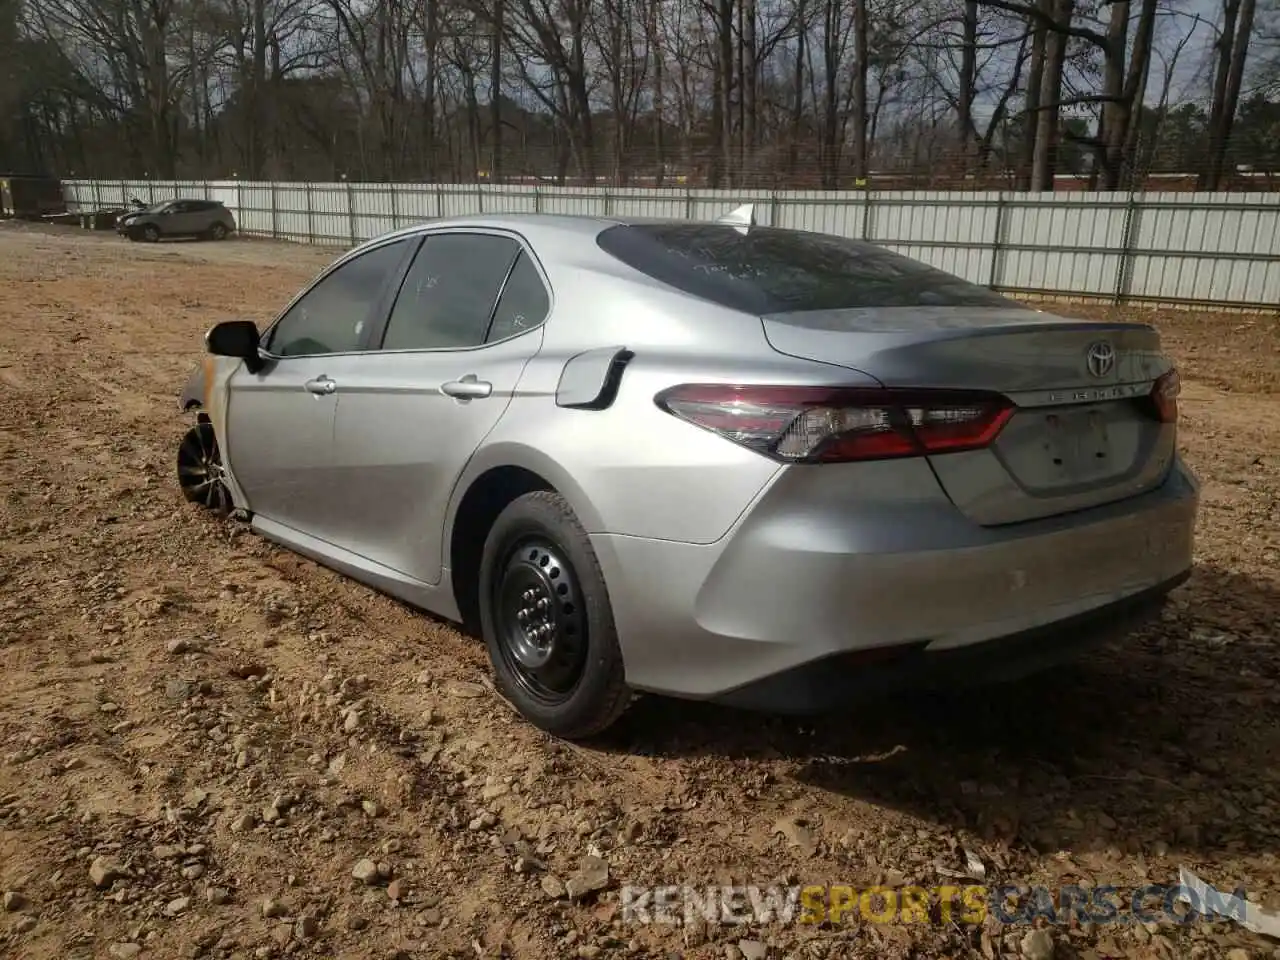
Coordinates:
1081	436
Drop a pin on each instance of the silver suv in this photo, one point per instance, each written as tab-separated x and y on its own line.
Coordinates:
207	219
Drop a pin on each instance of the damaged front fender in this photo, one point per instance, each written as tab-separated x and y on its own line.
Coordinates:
193	394
207	391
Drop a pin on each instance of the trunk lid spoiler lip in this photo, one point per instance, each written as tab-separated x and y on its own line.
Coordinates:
909	324
1025	353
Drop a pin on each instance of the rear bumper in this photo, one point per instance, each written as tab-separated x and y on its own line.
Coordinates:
833	681
830	565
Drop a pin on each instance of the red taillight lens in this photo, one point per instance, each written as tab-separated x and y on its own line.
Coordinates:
1164	394
831	424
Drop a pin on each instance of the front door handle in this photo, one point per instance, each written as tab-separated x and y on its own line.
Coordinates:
468	388
321	385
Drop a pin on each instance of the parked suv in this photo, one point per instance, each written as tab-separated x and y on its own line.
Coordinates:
178	218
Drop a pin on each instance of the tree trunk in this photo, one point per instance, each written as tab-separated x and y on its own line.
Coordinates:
830	154
1031	106
473	125
797	105
861	43
750	89
1135	91
724	129
1044	158
1113	108
659	122
255	135
1233	48
968	80
495	92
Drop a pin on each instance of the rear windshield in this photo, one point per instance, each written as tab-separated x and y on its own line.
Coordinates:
768	270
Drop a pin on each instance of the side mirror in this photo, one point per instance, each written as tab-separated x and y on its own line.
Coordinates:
236	338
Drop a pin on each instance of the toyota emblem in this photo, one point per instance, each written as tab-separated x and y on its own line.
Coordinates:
1101	358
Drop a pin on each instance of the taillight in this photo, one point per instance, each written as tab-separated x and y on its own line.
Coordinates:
833	424
1164	395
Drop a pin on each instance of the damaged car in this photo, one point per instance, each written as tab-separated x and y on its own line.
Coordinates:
719	461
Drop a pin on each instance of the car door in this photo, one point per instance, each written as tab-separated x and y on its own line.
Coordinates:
280	419
198	217
466	322
179	218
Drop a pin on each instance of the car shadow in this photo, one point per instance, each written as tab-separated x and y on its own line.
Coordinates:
1165	742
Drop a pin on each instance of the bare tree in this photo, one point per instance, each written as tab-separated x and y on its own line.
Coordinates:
1232	50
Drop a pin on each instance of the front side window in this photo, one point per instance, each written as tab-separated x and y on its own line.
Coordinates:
449	292
333	315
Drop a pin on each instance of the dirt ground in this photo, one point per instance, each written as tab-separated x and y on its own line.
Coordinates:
217	732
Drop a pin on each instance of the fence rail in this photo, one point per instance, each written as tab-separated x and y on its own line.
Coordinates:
1178	249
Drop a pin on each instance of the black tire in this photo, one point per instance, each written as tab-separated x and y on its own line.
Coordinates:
539	573
218	232
200	470
151	233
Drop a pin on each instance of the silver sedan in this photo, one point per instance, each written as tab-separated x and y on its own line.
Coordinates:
717	461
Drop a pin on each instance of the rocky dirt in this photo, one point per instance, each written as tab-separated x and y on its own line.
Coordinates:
211	747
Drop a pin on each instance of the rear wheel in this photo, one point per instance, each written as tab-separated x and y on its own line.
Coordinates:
547	622
200	472
218	232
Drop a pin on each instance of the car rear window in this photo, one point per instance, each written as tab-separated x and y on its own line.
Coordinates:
769	270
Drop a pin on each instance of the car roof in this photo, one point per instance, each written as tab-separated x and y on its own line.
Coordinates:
533	226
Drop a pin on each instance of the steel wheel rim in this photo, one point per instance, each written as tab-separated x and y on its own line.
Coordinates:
151	234
540	622
200	470
219	231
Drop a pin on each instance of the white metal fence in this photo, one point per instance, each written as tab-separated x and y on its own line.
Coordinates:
1220	249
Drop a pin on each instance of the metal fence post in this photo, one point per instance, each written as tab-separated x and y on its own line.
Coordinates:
351	212
1124	270
995	274
866	216
240	211
311	215
275	226
395	208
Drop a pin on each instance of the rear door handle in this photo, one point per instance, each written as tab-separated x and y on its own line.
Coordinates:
468	388
321	385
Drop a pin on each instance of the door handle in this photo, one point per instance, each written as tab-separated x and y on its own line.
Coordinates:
468	388
321	385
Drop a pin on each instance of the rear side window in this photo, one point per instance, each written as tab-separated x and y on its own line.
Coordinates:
767	270
448	295
524	302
